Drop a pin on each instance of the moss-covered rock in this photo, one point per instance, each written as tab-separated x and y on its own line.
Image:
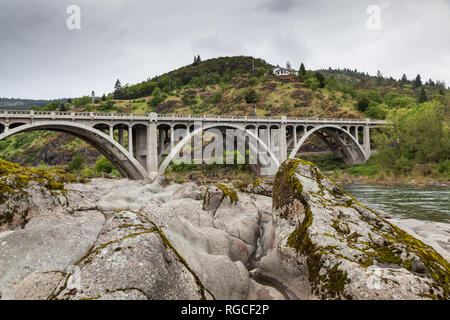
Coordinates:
348	250
24	189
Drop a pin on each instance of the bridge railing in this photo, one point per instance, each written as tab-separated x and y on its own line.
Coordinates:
179	117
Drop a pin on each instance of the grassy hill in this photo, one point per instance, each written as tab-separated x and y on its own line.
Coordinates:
231	86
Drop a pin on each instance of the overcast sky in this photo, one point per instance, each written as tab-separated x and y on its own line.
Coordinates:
135	39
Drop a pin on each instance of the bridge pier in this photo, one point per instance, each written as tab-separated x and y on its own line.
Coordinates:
366	141
121	135
130	139
152	150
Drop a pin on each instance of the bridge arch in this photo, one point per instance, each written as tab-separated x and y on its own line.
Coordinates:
190	135
355	155
111	149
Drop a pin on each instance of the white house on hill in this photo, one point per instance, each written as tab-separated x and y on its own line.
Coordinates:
282	71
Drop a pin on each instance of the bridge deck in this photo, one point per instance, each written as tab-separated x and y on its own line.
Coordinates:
54	115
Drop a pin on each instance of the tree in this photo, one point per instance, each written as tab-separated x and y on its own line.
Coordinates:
404	79
103	97
197	60
320	78
418	136
363	103
117	86
417	82
312	83
251	97
288	65
423	96
302	71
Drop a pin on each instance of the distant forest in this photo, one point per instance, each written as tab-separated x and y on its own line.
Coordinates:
21	104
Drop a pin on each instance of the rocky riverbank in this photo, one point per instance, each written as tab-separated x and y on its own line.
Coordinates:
122	239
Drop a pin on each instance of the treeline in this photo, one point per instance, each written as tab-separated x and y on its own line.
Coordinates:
21	104
197	75
418	142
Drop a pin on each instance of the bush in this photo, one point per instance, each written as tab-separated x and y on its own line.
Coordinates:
251	97
363	103
312	83
77	164
377	111
153	102
253	81
103	165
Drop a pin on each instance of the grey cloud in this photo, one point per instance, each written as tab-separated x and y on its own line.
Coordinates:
134	39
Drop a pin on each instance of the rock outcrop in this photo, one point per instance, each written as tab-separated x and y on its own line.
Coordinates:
27	192
326	245
122	239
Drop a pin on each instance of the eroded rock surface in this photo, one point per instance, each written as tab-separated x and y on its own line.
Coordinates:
328	246
122	239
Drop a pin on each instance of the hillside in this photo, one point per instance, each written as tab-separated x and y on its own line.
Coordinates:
231	86
21	104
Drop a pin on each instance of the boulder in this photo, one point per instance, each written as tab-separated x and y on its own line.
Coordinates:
326	245
132	259
46	247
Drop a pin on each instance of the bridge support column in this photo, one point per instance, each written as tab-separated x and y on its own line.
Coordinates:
366	141
130	139
111	132
172	138
152	150
282	141
121	136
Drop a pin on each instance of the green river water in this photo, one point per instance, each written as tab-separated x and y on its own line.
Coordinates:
430	203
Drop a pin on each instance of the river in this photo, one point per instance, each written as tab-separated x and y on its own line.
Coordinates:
427	203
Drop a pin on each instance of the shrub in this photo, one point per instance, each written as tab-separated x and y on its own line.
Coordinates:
103	165
312	83
77	163
251	97
253	81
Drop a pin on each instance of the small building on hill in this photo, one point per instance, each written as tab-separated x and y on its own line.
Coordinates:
278	71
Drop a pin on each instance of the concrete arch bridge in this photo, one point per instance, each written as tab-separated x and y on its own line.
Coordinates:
143	145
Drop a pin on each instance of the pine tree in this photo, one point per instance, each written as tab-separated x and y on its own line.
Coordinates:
417	82
423	96
288	65
320	78
103	97
117	86
404	79
302	72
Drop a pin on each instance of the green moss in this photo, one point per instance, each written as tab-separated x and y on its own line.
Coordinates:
228	192
287	188
365	262
15	179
